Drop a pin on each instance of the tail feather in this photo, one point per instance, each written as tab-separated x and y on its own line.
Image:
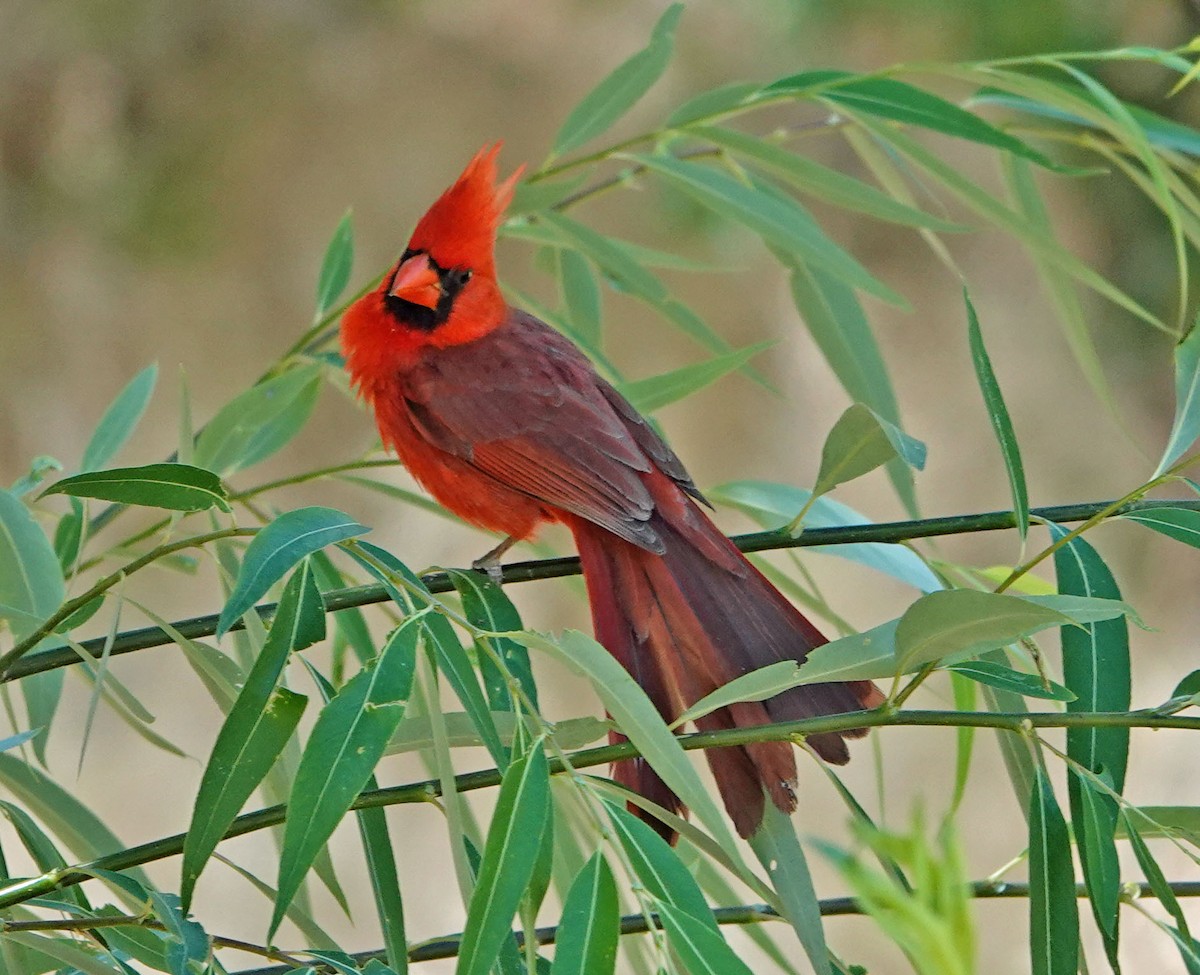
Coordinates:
694	618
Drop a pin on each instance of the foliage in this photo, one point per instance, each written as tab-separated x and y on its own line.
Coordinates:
560	844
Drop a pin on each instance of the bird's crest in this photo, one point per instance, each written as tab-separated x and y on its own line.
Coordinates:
460	228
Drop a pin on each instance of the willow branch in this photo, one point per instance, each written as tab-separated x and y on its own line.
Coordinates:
340	599
430	789
448	946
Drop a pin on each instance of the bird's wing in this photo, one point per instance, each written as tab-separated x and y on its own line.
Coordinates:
526	407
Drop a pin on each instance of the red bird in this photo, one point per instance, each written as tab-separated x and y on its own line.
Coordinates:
507	424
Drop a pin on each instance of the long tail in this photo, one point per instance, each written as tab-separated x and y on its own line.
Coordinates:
692	619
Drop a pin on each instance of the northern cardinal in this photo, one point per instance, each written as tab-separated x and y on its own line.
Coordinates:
507	424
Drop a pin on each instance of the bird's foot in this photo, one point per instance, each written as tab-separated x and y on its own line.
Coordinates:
490	563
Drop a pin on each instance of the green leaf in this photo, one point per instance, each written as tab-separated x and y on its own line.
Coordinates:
176	487
581	295
587	932
336	266
1168	820
757	685
255	424
534	197
821	181
638	720
31	579
1181	524
188	947
262	719
618	93
716	101
857	444
648	395
835	319
119	420
39	467
779	851
777	218
1159	885
998	414
1095	832
69	952
901	102
1189	686
509	856
488	607
385	883
346	743
965	621
1096	664
657	865
774	505
1053	911
998	675
702	949
278	547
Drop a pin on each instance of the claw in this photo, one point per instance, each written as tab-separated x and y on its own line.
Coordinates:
490	563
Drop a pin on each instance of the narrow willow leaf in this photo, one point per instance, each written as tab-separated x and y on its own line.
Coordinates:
188	948
509	856
488	607
385	882
581	295
658	866
1167	820
1159	885
176	487
965	620
588	930
277	548
618	92
898	101
774	505
336	266
1095	833
827	184
712	103
68	536
757	685
1181	524
262	720
637	719
998	675
648	395
777	218
119	420
1053	911
346	743
31	579
855	446
17	740
534	197
251	427
835	319
68	952
1189	686
702	949
778	850
1096	664
998	415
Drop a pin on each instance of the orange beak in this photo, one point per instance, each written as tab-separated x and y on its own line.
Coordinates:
417	281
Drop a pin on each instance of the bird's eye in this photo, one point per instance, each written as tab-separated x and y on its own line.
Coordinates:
459	276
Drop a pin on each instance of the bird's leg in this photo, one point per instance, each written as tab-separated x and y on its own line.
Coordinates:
490	563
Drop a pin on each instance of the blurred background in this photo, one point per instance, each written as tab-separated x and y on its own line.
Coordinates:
170	176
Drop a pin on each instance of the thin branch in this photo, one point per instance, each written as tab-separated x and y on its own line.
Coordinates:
339	599
448	945
429	790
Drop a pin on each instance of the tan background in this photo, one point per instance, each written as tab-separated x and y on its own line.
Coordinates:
170	174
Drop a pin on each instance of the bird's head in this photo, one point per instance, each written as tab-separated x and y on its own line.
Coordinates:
444	286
